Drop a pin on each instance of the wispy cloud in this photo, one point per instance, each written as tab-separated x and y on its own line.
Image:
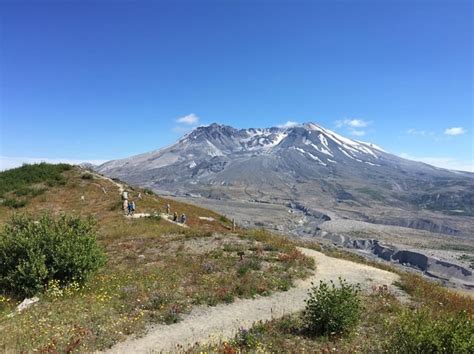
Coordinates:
420	132
352	123
190	119
288	124
7	162
455	131
354	126
450	163
356	132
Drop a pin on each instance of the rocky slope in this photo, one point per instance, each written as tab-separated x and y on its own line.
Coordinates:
309	166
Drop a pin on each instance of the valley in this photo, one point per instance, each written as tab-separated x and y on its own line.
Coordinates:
312	183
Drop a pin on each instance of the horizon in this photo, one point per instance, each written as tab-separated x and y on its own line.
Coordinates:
10	163
101	81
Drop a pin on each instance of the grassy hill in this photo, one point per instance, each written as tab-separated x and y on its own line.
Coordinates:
156	270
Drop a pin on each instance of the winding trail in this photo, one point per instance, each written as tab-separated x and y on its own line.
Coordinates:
205	324
120	186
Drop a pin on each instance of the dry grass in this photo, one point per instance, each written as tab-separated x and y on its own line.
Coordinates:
382	316
285	335
155	273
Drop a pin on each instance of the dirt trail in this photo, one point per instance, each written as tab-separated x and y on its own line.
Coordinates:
164	216
205	324
118	185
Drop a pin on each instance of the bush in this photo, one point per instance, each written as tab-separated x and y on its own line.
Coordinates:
18	178
87	176
247	265
418	332
32	253
27	191
148	191
14	203
330	309
249	338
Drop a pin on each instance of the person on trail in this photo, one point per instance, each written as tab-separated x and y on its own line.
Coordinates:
133	207
183	219
129	208
175	217
125	206
168	209
139	195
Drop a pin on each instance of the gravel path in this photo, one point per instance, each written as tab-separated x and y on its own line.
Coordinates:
205	324
120	186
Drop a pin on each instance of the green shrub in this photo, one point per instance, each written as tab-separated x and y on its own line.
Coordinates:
418	332
14	203
331	309
18	178
248	264
148	191
224	219
32	253
87	176
28	191
248	338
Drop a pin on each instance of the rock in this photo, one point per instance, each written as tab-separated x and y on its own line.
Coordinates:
141	256
208	218
26	304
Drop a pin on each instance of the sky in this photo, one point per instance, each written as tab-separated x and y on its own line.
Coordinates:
100	80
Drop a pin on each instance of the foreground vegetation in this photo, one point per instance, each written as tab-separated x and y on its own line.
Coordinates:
436	320
155	272
34	253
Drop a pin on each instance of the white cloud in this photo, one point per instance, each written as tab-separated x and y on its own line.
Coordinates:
449	163
288	124
7	162
190	119
352	123
356	132
455	131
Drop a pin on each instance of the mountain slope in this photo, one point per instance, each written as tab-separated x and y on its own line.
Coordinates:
156	270
307	165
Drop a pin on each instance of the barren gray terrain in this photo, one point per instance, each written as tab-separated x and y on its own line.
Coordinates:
310	182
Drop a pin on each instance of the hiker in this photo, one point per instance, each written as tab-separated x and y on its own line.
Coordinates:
125	206
139	195
175	217
183	219
133	207
129	206
168	209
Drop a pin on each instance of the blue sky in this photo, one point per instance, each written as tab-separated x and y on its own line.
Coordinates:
99	80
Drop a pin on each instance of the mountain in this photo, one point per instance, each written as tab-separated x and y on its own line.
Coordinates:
309	168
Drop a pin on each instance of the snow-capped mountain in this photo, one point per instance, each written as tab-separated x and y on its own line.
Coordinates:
305	163
218	141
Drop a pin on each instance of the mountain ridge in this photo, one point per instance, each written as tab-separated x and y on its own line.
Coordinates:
304	164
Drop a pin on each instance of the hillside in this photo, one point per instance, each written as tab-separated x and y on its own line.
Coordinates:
313	183
166	286
156	270
305	167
